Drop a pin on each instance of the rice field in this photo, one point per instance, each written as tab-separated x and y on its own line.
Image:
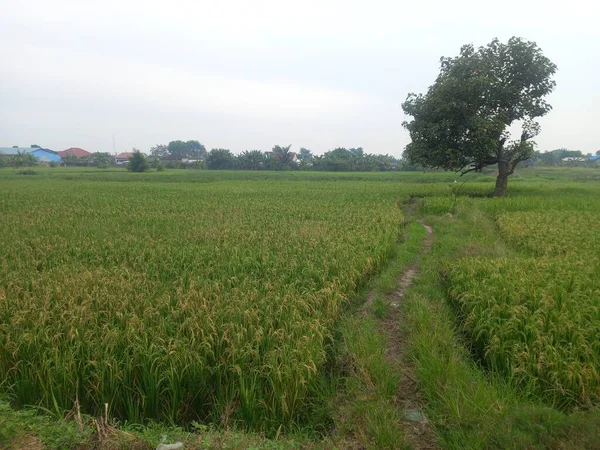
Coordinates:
210	301
215	296
533	315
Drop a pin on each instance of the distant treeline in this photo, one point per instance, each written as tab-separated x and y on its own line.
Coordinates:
562	157
193	154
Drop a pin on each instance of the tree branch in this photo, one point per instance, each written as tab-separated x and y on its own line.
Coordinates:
525	136
472	169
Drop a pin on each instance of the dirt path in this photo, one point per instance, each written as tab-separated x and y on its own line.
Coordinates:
408	399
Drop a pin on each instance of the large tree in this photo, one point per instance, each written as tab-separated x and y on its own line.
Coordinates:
102	160
282	158
196	150
462	122
190	150
159	151
251	160
220	158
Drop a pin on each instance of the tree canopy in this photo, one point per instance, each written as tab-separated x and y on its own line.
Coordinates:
220	158
305	155
353	160
462	122
282	158
101	159
279	158
251	160
159	151
180	149
23	159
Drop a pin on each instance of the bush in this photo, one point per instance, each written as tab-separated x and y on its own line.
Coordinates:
138	162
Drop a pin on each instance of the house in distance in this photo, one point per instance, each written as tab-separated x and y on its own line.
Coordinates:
123	158
75	152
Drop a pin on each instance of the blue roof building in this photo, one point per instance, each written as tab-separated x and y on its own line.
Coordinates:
43	154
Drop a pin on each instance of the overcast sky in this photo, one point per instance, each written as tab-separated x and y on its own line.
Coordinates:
250	74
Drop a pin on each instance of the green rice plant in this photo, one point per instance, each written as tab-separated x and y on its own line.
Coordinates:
554	233
537	321
182	301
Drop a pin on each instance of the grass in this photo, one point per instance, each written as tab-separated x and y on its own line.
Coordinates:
475	407
29	429
367	414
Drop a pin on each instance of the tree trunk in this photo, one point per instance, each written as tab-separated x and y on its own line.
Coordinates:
501	180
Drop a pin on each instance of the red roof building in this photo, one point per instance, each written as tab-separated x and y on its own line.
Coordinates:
123	158
75	151
125	155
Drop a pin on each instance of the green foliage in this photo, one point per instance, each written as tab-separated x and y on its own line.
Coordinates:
138	162
367	349
251	160
180	149
541	332
305	155
554	157
159	151
281	158
27	428
236	298
196	150
70	160
461	122
353	160
381	308
371	383
535	318
220	158
472	408
23	159
101	160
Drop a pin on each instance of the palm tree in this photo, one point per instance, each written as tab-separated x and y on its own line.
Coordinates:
305	155
283	155
251	159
